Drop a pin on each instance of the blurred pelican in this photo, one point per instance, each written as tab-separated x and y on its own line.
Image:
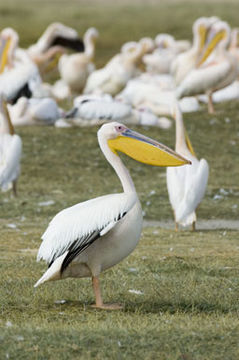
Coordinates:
10	151
90	237
8	44
75	69
35	111
114	76
19	76
159	62
92	110
155	92
52	44
186	185
188	60
219	71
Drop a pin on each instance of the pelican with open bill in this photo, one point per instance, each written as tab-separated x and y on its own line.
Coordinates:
90	237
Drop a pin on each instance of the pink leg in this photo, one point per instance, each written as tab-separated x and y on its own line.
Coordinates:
98	299
211	109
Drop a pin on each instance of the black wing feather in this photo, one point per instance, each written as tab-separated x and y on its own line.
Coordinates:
75	249
74	44
79	245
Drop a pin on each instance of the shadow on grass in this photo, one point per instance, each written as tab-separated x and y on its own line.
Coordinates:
184	307
145	306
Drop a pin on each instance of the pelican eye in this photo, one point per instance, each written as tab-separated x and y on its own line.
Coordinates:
120	128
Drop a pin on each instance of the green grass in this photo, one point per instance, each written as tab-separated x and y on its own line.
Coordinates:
188	309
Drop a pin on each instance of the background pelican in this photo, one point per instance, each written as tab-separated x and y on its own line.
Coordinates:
52	44
186	185
35	111
19	76
187	61
10	151
159	62
75	68
220	70
114	76
93	109
87	238
8	43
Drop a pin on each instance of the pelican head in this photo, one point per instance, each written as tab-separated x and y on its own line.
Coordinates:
8	42
139	147
218	36
91	33
201	29
147	44
129	46
164	41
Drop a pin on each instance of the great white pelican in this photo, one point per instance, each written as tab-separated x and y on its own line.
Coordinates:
188	60
214	72
187	184
75	68
90	237
10	151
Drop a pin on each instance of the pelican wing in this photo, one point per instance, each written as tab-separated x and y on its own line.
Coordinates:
14	81
10	154
44	110
74	229
97	79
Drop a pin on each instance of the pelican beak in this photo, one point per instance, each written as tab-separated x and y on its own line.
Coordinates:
202	35
213	39
145	150
4	48
53	63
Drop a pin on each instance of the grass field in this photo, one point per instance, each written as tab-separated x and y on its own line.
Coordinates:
180	290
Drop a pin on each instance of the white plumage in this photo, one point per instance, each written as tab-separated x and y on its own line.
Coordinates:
10	155
187	184
92	236
188	60
73	223
91	110
112	78
35	111
10	151
186	188
75	68
220	70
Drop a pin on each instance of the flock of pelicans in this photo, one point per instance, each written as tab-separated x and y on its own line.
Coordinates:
146	80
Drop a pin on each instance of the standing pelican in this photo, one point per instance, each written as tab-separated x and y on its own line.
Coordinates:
219	71
188	60
90	237
187	185
10	151
75	68
52	44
